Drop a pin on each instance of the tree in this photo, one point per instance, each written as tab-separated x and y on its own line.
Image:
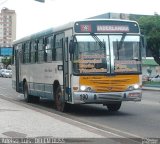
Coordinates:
150	27
6	61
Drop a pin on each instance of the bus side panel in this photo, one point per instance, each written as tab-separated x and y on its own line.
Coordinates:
40	78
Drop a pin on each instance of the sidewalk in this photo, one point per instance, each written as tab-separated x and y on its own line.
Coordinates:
17	121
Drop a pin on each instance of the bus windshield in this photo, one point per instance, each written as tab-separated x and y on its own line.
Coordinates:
126	53
104	54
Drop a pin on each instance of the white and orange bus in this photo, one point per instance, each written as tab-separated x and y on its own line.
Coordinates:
83	62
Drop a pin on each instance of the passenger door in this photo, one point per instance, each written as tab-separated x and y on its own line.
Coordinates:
17	68
66	69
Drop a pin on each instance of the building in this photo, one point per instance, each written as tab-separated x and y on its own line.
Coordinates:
112	16
150	64
7	31
7	27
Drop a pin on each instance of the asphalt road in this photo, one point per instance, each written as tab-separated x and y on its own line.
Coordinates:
134	119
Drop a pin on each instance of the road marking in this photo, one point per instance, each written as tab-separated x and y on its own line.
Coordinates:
2	88
20	96
147	102
7	96
133	135
62	117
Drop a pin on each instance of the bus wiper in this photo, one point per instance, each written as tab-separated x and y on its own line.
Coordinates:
101	44
121	41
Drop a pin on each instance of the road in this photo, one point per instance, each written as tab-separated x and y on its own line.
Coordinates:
134	119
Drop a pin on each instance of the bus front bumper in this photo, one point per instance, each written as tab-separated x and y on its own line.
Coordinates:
103	98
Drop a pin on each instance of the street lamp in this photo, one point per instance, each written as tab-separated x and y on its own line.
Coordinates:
42	1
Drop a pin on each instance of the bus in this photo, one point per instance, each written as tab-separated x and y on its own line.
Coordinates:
92	61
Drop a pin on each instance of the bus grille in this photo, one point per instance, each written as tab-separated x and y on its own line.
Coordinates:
109	83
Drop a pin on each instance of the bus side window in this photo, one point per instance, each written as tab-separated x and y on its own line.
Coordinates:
48	49
33	52
15	48
26	52
54	50
40	50
23	50
20	49
13	55
58	47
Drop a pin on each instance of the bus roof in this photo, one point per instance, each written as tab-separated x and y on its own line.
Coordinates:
61	28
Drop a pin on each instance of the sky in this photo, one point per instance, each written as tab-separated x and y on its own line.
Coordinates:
33	16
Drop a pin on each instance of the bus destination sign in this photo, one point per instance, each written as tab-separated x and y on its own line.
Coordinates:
105	26
112	28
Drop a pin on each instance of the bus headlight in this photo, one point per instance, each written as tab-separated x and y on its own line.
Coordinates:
85	88
82	88
133	87
136	86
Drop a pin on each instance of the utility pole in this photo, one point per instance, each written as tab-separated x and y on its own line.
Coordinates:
42	1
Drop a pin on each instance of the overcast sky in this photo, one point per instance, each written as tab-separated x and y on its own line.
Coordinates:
33	16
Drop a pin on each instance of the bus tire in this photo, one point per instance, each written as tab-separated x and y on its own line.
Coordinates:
59	100
114	106
27	97
35	99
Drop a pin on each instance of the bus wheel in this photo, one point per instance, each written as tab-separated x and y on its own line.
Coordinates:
35	99
27	97
114	106
59	100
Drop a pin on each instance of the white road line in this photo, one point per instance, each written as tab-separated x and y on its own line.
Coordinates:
93	127
133	135
147	102
4	95
2	88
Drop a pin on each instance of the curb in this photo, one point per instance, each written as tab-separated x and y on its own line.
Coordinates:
151	88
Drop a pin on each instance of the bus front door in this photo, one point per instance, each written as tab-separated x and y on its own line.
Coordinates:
66	69
17	66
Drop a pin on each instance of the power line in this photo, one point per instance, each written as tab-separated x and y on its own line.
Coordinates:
3	1
40	1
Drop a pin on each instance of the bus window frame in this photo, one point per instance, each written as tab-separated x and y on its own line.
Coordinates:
40	52
59	47
34	52
48	42
26	45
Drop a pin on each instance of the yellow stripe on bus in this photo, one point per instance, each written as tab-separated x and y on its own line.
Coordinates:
109	83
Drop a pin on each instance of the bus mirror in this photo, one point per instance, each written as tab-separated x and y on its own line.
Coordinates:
143	44
71	46
142	41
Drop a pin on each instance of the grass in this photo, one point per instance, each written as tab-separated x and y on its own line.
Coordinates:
151	83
